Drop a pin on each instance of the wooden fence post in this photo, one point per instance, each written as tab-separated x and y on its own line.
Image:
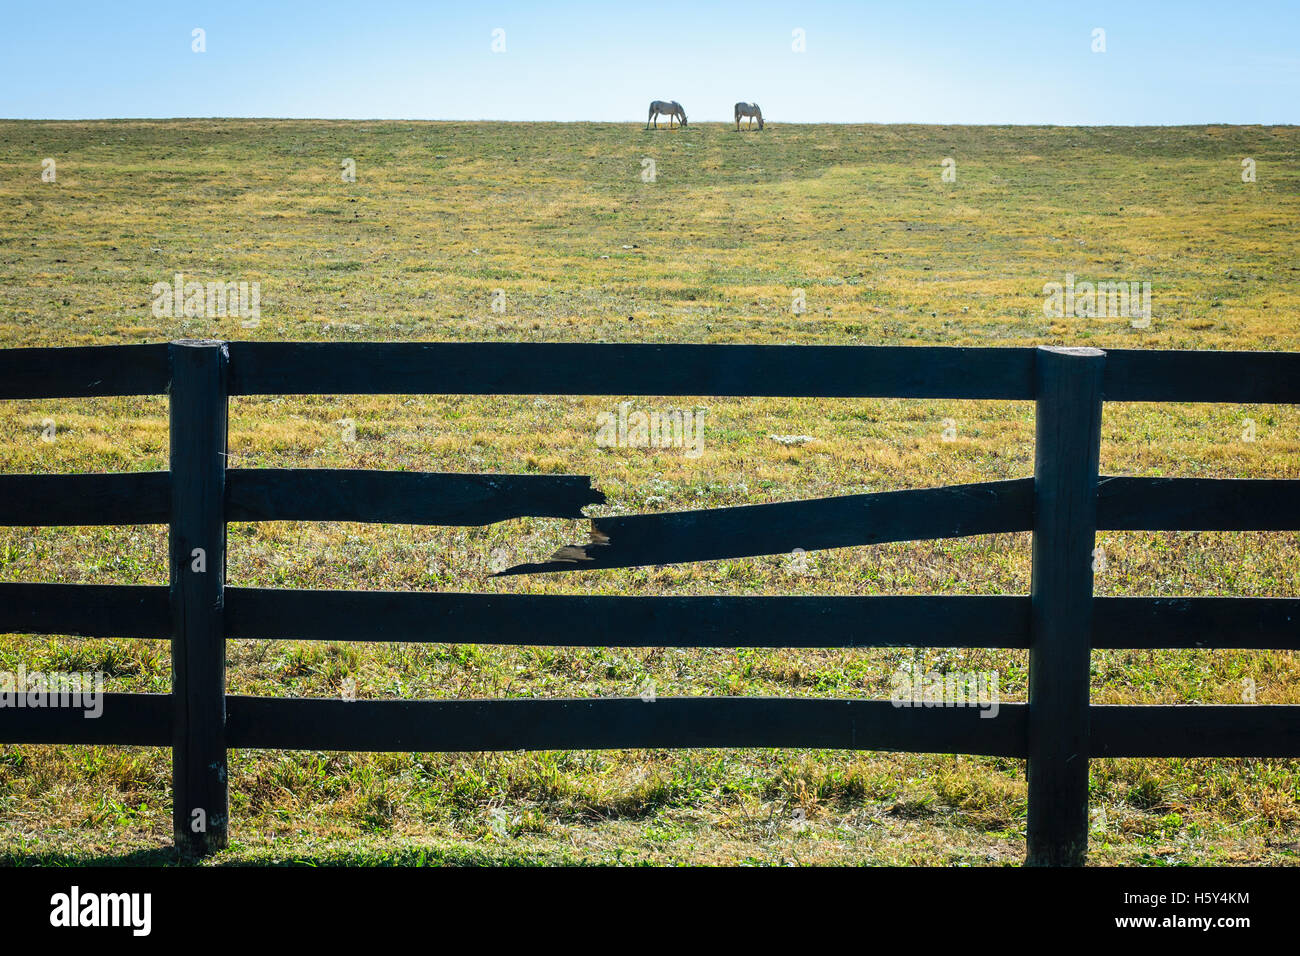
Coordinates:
1067	446
197	545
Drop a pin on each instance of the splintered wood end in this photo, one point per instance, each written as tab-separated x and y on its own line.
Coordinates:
564	558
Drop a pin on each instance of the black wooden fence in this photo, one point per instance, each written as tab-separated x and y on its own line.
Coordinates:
1063	504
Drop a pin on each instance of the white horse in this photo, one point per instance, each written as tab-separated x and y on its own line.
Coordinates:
752	111
670	109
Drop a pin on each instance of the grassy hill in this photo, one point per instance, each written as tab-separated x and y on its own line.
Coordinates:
556	225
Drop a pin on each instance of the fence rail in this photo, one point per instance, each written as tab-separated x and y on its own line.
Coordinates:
405	497
1059	622
552	620
510	368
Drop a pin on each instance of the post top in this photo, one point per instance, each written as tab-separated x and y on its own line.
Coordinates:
1083	351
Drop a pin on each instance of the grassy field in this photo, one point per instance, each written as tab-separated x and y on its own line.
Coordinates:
559	219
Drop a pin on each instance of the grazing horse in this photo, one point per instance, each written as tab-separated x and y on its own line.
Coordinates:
660	108
752	111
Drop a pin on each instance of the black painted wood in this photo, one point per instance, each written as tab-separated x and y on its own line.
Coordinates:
615	621
401	497
141	497
141	720
1216	622
512	368
564	724
545	368
1057	730
198	466
715	533
1198	504
1175	375
83	371
1067	446
87	610
1195	730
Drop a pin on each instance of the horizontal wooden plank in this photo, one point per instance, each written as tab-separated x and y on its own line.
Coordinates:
605	724
1174	375
647	369
1124	503
84	371
547	368
1216	622
87	610
846	521
1198	504
582	620
401	497
566	724
138	497
142	720
1195	730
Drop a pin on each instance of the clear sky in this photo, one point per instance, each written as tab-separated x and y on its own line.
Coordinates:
1015	61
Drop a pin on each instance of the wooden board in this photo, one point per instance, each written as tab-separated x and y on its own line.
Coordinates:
1198	504
136	497
87	610
846	521
485	368
401	497
1177	375
582	620
1217	622
566	724
84	371
546	368
142	720
1196	730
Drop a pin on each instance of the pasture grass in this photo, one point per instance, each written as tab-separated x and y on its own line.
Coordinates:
558	217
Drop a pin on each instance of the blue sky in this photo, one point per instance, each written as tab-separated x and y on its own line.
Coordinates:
902	61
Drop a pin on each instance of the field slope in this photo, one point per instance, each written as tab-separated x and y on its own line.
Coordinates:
556	226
